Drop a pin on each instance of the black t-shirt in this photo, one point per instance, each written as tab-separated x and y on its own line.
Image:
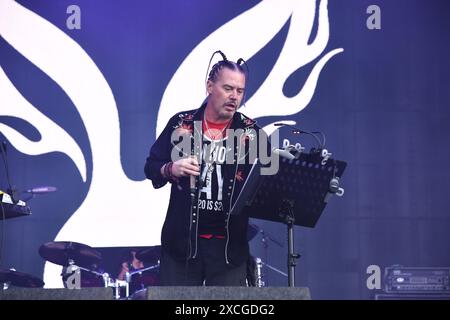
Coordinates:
210	203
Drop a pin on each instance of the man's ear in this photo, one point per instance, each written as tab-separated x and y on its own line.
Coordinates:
209	86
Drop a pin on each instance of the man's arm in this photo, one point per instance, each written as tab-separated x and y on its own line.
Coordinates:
159	156
159	167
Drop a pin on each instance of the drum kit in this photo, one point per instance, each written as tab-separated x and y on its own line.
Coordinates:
86	261
81	269
76	258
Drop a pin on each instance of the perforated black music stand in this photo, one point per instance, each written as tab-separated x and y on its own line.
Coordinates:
297	194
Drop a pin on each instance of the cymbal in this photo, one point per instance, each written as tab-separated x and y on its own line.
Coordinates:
60	252
20	279
252	231
151	254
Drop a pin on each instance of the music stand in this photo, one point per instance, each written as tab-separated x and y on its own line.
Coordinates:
296	195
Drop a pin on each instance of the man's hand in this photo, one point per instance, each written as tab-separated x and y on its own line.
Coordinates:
186	167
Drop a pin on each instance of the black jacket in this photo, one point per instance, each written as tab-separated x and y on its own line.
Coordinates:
179	234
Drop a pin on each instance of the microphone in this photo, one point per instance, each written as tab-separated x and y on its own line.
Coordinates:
41	190
192	178
283	153
192	188
192	184
296	130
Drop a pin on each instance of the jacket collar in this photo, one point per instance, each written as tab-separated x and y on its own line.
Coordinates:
239	120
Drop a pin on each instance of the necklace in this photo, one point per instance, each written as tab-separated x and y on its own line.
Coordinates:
214	133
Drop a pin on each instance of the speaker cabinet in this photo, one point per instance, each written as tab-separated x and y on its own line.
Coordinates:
223	293
16	293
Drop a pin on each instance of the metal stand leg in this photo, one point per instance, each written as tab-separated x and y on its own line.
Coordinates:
289	219
259	275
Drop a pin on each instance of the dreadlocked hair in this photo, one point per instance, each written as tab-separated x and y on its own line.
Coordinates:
224	63
213	74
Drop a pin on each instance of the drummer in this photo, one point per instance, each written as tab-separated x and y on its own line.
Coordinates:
131	264
141	267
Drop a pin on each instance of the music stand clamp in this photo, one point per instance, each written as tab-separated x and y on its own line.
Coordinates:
296	195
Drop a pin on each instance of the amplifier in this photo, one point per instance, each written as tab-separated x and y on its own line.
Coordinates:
417	280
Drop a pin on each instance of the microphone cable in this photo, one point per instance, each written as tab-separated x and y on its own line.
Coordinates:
240	62
224	58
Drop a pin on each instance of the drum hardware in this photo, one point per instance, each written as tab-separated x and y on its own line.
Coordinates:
80	267
105	276
129	277
128	281
76	258
259	274
116	285
73	269
284	274
63	252
140	271
266	239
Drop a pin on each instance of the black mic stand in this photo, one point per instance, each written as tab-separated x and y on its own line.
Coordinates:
287	214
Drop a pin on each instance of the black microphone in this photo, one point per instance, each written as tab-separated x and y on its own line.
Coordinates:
192	183
295	130
191	177
41	190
